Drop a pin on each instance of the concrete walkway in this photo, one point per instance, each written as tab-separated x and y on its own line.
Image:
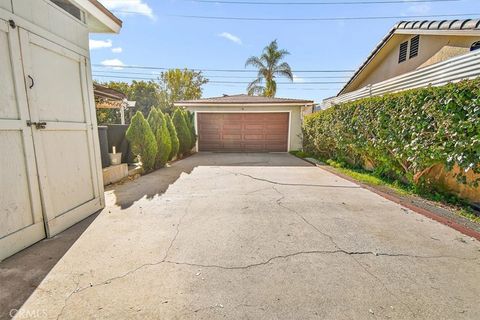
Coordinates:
259	236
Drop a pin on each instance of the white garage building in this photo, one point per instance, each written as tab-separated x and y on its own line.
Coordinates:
243	123
50	171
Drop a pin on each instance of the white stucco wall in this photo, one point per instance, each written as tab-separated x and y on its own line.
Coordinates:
295	117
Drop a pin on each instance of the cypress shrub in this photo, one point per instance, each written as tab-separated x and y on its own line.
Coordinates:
403	134
173	137
183	132
142	141
158	125
189	119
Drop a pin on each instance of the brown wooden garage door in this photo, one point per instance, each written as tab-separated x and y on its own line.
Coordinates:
243	132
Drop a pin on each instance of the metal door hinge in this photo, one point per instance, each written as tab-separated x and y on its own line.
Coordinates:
12	24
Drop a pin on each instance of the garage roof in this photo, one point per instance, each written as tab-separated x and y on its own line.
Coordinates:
242	99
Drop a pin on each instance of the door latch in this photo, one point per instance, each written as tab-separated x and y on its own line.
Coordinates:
38	125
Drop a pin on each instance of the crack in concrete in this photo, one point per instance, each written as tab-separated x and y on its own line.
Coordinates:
279	202
294	184
109	280
309	252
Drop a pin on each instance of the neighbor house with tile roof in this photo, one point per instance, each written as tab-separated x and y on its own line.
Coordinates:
415	54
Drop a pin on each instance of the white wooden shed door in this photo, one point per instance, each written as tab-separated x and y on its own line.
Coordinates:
59	101
21	221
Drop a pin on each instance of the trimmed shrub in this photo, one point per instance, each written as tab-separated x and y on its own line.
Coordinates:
158	125
142	141
190	120
403	135
173	137
183	132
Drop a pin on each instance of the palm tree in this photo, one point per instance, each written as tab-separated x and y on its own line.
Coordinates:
269	65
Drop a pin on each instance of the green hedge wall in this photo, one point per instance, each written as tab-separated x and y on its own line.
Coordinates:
404	134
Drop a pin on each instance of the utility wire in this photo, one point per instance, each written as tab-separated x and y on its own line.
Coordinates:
403	18
225	82
211	76
321	2
218	70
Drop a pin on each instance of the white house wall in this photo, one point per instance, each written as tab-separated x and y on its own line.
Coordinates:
48	16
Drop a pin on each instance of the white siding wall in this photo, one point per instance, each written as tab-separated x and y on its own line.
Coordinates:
6	4
50	17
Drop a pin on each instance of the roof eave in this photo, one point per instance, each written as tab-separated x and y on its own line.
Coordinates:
273	104
104	20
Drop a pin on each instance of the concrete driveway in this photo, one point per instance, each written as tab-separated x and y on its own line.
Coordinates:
259	236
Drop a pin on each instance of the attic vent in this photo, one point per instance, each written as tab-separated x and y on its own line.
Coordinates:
475	46
403	52
414	44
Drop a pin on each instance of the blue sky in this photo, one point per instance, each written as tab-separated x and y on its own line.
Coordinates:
153	36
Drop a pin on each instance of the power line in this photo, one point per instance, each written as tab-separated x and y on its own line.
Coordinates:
322	2
217	70
325	18
214	76
225	82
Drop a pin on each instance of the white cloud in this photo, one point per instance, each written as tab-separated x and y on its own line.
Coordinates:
98	44
418	8
297	79
230	37
117	50
114	63
126	7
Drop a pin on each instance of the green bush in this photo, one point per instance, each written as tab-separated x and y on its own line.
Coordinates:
158	125
404	134
183	132
190	120
142	141
173	137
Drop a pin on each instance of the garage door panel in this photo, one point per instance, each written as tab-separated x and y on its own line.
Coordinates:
232	126
230	137
243	132
257	137
228	117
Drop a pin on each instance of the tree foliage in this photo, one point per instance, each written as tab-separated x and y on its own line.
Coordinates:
142	141
270	66
176	85
158	124
183	131
404	134
173	137
145	93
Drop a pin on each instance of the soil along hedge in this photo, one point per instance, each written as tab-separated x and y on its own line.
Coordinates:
183	131
173	137
404	135
158	124
142	141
